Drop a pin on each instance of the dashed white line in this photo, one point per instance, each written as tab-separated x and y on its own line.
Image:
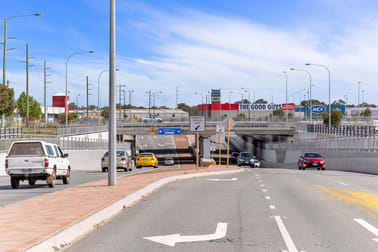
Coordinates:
272	207
264	190
267	197
368	226
285	235
262	185
260	181
342	183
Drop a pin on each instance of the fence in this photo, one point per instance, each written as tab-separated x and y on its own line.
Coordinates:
81	130
344	130
65	143
10	133
331	144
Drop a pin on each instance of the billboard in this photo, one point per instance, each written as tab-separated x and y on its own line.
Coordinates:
270	106
215	96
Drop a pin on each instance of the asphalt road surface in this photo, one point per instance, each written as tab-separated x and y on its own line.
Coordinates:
258	210
9	195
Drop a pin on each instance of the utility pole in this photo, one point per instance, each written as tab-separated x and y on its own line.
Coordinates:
88	94
149	103
177	96
5	51
120	98
45	89
27	84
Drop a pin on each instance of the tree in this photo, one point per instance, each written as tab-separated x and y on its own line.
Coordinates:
35	110
366	113
261	101
314	102
245	101
279	112
336	117
192	110
7	104
72	106
105	113
70	117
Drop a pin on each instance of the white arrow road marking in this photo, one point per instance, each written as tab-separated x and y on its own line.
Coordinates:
232	179
171	240
368	226
285	235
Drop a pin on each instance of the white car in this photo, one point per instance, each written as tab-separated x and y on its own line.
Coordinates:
36	160
152	119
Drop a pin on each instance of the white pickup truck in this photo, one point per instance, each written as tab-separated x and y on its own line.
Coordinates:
36	160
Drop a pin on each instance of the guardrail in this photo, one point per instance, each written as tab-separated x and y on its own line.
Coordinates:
81	130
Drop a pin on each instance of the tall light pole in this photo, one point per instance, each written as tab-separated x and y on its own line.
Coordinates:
197	93
5	21
77	104
67	60
112	172
359	95
286	110
120	86
154	98
242	102
310	95
250	102
329	94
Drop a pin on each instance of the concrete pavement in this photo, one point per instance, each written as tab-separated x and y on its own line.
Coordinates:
265	209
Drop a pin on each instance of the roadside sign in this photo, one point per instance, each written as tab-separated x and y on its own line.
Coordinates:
220	128
318	109
169	131
152	130
197	124
290	106
225	123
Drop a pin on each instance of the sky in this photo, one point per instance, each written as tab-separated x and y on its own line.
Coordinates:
196	46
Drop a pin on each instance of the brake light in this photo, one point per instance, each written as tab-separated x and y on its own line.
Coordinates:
46	163
6	163
123	159
102	159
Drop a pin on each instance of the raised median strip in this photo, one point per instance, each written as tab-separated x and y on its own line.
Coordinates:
53	221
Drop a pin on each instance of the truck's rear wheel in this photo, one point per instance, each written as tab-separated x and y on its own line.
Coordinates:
32	181
15	182
67	178
51	179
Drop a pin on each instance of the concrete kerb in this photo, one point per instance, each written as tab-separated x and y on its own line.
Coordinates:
78	230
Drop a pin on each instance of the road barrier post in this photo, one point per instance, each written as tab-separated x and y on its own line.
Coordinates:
220	148
228	143
197	151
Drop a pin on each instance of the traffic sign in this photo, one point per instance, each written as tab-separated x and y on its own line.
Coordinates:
169	131
290	106
152	130
220	128
197	124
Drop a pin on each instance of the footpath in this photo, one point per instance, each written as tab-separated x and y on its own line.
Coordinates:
25	224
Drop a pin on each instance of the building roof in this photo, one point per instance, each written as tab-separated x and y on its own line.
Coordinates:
59	94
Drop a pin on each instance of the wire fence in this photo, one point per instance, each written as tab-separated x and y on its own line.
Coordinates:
81	130
328	144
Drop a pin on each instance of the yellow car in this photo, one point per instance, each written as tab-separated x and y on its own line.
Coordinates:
146	159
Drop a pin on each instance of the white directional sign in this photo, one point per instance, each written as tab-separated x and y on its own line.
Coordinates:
220	128
171	240
197	123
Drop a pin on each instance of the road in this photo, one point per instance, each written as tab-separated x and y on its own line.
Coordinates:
9	195
265	210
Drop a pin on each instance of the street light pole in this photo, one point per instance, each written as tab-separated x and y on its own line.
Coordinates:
5	41
286	110
359	95
67	60
77	104
329	95
249	99
197	93
310	89
120	93
112	173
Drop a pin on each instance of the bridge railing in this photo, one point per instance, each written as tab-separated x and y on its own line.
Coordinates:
344	130
81	130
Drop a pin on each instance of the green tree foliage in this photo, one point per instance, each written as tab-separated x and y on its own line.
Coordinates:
261	101
192	110
279	112
71	116
7	104
245	101
314	102
366	113
336	117
34	107
105	113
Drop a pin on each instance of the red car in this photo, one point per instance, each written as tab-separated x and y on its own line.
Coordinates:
311	160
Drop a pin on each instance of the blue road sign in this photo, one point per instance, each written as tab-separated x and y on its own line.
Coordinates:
169	131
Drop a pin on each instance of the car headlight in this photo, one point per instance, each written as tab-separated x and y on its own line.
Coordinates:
251	160
241	160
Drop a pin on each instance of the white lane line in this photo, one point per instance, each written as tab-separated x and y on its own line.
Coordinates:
342	183
272	207
262	185
285	235
232	179
260	181
267	197
264	190
368	226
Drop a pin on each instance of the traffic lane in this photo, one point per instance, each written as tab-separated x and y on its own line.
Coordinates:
192	207
9	195
316	219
